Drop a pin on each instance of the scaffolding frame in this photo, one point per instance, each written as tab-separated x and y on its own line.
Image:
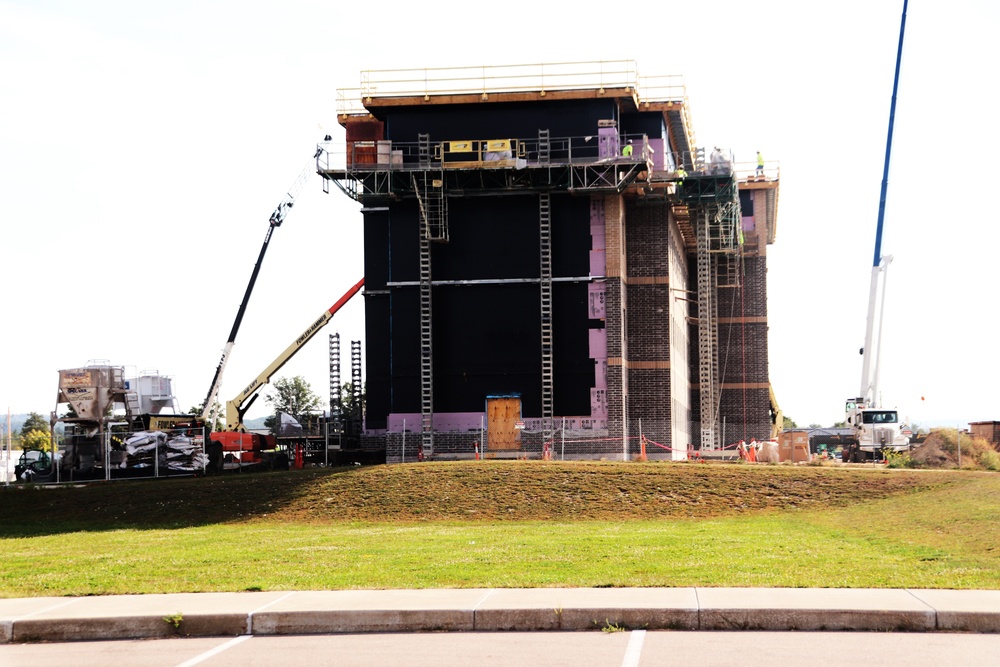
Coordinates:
336	400
712	200
408	169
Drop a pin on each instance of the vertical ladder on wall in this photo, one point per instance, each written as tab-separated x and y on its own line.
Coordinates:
544	147
726	241
426	344
424	150
356	386
336	400
545	282
730	269
707	332
428	185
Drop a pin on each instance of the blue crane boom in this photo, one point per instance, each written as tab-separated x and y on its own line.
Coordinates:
869	379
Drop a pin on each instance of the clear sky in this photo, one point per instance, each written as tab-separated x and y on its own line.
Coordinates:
143	147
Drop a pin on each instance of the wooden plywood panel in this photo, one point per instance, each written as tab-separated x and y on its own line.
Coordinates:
502	416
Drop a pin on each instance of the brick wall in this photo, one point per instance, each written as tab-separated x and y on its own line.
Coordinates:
743	355
617	319
649	298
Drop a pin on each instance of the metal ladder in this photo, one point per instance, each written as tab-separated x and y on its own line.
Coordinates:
424	150
133	409
429	188
544	147
545	283
336	400
428	185
707	332
356	386
726	242
426	344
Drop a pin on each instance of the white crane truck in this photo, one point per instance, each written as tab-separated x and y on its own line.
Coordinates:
876	430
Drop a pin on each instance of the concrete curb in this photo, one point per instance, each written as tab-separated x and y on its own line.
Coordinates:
486	610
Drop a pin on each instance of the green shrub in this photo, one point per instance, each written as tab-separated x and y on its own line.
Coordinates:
900	460
990	459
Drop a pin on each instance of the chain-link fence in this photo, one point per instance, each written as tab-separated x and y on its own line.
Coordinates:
118	452
642	439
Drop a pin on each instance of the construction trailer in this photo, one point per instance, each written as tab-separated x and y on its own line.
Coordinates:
554	266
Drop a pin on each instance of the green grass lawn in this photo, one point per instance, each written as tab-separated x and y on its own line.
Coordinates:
509	524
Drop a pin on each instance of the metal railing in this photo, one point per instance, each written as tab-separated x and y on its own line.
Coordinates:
400	156
485	80
366	156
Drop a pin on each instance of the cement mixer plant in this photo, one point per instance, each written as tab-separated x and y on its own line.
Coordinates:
115	423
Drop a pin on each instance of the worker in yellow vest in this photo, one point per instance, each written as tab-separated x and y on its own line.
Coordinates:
760	164
627	151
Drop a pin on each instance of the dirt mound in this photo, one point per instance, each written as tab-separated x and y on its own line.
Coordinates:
940	449
932	453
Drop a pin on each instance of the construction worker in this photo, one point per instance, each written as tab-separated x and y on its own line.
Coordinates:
627	151
717	161
679	175
760	164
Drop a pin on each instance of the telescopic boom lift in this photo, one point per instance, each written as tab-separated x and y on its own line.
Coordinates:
277	217
236	408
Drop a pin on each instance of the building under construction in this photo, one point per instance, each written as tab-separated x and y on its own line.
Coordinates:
553	266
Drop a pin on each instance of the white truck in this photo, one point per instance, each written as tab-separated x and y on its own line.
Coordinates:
877	431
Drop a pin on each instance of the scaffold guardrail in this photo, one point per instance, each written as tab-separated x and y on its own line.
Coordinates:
485	80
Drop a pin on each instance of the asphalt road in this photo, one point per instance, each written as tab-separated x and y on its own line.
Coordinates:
538	649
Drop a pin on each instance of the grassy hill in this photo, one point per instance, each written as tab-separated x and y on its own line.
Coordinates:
509	523
481	491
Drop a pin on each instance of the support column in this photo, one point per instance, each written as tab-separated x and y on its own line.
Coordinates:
616	325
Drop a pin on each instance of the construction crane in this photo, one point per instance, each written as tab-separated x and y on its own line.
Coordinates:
875	429
277	217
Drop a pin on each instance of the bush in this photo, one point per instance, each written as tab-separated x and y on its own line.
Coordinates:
36	440
900	460
990	460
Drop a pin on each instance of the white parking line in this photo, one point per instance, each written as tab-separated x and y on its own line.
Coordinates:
634	649
215	651
259	609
